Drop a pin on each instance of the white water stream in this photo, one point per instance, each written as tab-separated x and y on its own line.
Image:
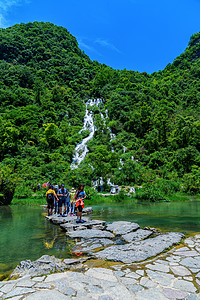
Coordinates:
81	149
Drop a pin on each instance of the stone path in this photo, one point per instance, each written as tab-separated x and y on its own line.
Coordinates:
173	275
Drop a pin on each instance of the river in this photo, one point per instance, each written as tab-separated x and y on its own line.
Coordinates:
26	234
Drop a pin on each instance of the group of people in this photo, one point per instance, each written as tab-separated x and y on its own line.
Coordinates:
72	201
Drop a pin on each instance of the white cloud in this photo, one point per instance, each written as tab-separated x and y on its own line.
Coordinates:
85	45
107	44
6	6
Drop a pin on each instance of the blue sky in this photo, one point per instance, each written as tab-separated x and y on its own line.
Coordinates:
139	35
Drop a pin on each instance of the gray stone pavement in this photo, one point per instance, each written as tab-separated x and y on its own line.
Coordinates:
172	275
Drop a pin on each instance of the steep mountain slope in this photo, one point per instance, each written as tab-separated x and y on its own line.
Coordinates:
46	80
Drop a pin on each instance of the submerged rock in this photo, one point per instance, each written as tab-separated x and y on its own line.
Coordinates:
139	251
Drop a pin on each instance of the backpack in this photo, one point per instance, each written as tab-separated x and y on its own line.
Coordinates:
50	197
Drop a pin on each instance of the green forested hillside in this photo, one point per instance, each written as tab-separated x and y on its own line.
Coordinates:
45	80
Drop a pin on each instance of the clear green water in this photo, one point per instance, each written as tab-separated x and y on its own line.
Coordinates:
168	216
26	234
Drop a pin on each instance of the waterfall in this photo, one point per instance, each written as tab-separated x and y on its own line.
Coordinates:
81	149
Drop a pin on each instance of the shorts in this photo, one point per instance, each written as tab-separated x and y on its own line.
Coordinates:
61	202
50	204
79	208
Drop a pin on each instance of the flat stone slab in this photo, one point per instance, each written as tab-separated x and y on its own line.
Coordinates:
89	224
90	245
138	235
90	233
180	270
47	295
174	294
191	262
139	251
122	227
56	219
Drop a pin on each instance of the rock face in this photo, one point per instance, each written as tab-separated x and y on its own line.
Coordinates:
138	251
122	227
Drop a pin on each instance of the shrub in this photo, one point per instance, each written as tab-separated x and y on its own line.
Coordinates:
168	187
150	193
120	197
22	192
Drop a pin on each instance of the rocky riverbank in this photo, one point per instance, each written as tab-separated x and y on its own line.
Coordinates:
117	261
173	275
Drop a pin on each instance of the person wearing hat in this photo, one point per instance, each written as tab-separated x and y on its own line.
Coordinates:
63	195
72	206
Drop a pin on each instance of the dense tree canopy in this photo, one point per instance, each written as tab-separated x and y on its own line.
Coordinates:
45	80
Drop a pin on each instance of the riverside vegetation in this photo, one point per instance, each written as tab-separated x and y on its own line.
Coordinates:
45	81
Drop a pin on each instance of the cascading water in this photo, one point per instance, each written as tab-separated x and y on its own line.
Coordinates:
81	149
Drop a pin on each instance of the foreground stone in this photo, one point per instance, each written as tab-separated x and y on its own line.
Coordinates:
151	280
139	251
44	265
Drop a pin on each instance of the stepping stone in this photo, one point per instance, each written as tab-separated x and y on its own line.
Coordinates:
139	251
90	233
138	235
18	291
48	295
89	224
122	227
91	244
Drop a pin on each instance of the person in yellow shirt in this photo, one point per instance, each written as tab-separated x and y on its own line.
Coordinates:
50	196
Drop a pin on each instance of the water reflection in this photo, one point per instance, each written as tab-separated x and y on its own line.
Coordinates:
26	234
